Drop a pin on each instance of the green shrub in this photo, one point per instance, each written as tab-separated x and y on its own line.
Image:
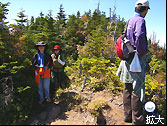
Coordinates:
156	92
95	84
96	106
68	70
71	99
20	106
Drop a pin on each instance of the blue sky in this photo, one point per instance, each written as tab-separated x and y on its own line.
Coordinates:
155	19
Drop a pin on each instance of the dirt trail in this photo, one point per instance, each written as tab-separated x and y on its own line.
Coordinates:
112	117
57	113
73	118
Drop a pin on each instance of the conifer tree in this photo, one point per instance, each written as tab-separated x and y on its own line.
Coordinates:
22	20
4	33
61	22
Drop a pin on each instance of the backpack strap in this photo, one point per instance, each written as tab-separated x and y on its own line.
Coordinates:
126	26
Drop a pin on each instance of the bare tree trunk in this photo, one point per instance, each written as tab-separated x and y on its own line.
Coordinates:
84	82
80	69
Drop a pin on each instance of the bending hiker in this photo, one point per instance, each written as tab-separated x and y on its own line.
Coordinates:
57	69
42	62
134	91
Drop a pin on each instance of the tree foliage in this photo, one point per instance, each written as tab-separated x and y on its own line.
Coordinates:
87	39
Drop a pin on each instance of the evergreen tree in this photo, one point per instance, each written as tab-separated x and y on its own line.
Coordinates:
4	33
3	13
61	22
78	14
22	19
61	17
97	19
32	20
96	42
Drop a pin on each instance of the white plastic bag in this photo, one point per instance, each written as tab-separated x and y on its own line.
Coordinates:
135	64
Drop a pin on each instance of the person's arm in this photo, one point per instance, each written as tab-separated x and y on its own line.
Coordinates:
34	62
60	61
50	62
141	38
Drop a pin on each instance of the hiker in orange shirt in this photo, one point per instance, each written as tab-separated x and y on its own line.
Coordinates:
42	62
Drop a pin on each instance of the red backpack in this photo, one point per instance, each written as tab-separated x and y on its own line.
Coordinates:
123	47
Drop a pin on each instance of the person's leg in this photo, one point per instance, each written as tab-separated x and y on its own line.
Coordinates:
137	110
60	79
40	89
46	88
127	93
52	85
52	79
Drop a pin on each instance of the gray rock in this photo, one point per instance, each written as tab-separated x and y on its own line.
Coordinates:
53	112
46	116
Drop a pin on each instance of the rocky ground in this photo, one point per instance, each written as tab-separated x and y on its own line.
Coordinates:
57	113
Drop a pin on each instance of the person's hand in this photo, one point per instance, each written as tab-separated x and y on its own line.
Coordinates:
53	56
37	66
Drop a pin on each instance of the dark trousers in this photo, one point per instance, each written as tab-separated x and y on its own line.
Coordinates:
133	107
56	82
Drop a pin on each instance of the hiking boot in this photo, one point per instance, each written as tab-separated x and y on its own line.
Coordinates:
127	121
40	102
48	100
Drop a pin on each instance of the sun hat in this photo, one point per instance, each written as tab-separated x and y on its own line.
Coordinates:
144	3
40	44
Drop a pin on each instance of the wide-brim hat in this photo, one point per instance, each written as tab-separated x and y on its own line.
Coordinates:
40	44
